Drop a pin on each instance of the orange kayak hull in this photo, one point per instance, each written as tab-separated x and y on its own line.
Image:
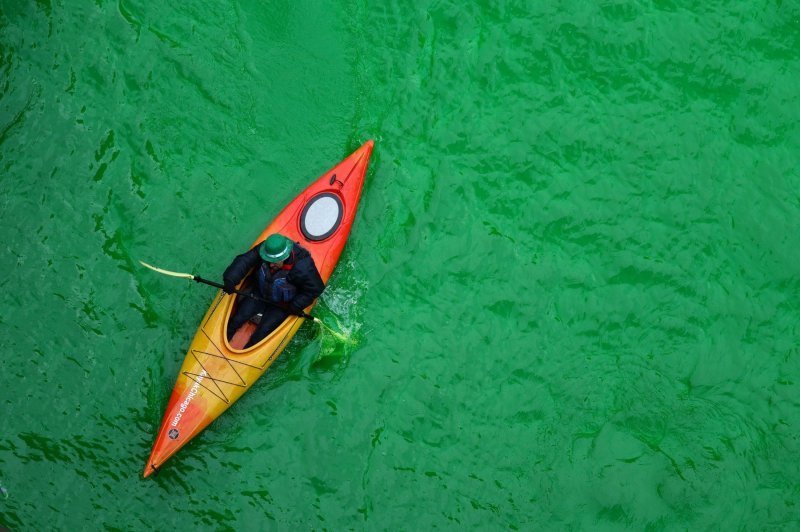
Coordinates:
215	374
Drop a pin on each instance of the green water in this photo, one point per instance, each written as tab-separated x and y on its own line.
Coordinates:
572	287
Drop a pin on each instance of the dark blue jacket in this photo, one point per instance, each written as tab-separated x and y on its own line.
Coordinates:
304	275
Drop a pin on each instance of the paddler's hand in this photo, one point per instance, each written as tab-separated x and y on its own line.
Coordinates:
228	287
301	313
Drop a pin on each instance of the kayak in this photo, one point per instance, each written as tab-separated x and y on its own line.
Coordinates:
216	372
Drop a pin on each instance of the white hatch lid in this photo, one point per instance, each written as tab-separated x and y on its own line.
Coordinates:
321	216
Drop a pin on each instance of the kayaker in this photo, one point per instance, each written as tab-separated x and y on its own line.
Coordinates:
286	276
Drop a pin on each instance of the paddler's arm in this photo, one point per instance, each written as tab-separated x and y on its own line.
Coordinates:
242	264
309	287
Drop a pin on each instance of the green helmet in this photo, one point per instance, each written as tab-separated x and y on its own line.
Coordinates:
275	248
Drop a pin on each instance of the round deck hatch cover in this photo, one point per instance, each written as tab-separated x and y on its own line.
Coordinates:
321	216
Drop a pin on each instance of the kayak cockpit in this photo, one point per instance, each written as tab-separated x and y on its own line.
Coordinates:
243	333
242	336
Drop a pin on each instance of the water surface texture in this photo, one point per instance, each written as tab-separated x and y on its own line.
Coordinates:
572	287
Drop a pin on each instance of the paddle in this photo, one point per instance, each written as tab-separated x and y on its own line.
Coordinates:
198	279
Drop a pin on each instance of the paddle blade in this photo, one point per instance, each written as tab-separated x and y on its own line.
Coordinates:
167	272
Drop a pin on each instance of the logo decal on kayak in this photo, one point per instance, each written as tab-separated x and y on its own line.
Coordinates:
185	404
173	434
